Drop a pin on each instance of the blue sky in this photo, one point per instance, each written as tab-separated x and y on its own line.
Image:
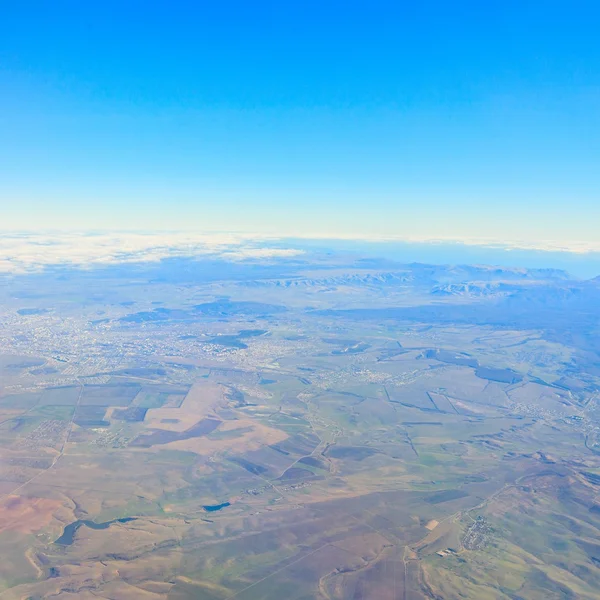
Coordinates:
424	119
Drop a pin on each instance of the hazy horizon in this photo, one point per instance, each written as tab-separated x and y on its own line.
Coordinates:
22	252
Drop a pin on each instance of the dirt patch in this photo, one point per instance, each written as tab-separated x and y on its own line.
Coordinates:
26	515
252	436
160	437
201	401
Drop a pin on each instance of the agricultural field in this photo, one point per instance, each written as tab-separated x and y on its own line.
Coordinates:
328	433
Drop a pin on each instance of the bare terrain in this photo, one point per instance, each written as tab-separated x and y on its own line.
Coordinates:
318	429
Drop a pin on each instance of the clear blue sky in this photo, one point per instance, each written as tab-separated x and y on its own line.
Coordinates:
367	118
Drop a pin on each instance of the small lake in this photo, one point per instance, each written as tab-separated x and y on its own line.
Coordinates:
68	536
216	507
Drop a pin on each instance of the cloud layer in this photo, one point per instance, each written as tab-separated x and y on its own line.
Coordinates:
27	252
35	251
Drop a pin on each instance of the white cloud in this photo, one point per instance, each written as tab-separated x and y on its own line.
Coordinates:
24	252
258	253
574	246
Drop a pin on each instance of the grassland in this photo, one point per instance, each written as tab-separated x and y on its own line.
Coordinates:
353	459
